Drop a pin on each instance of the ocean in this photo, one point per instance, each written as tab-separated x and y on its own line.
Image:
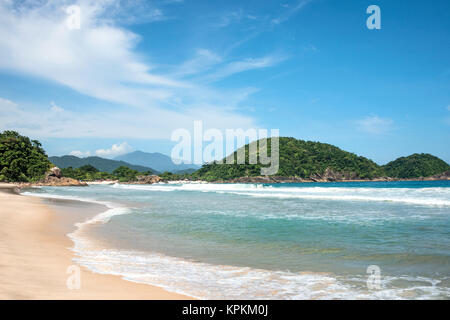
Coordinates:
271	241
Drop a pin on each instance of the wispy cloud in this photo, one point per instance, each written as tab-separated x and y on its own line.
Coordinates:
134	11
244	65
100	60
202	61
227	18
230	17
375	125
261	25
290	11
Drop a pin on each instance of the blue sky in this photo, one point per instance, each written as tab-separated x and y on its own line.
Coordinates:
137	70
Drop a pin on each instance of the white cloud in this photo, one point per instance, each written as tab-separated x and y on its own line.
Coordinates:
115	150
448	107
99	60
375	125
202	61
96	60
80	154
145	124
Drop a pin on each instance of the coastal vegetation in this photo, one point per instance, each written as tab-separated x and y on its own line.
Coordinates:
21	159
169	176
298	158
90	173
85	173
415	166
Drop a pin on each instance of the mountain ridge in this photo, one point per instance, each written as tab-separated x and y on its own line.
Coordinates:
102	164
156	160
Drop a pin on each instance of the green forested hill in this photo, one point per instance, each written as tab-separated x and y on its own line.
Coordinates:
298	158
101	164
21	159
415	166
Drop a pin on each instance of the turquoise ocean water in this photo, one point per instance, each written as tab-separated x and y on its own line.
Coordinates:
262	241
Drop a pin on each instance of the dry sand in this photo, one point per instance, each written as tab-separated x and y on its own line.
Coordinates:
35	255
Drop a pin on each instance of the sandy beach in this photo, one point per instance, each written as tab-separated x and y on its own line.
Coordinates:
35	256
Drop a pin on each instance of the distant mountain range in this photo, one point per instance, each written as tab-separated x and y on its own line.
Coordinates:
137	160
157	161
101	164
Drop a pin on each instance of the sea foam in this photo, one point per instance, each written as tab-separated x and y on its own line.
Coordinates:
419	196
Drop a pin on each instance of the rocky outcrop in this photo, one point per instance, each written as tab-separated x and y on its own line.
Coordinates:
53	178
441	176
144	179
54	172
330	175
327	176
55	181
147	179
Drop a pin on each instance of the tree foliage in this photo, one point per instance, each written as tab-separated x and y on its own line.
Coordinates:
415	166
298	158
125	174
90	173
21	159
170	176
86	173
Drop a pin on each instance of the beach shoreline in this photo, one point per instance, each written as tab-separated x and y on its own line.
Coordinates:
37	260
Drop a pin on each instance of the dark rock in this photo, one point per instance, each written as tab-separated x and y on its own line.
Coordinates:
54	172
55	181
147	179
